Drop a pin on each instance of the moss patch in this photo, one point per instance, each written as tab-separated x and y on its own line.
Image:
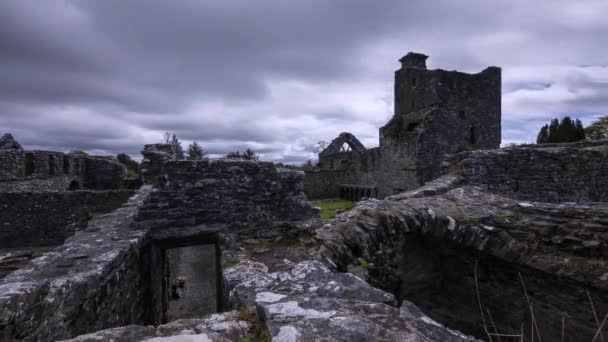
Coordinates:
229	263
363	263
330	207
257	331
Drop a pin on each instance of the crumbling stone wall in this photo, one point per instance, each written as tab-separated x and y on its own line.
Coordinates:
423	246
24	170
48	218
102	173
245	195
154	157
324	183
436	112
98	278
111	273
40	218
545	173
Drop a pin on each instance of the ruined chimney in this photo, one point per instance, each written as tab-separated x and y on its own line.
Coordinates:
414	59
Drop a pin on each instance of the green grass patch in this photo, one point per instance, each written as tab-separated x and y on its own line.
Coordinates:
329	207
230	262
328	204
257	331
132	173
363	263
327	214
471	221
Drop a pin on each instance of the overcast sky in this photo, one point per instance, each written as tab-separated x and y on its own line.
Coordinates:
109	76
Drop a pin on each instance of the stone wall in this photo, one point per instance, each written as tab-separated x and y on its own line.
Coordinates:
98	278
324	183
50	171
423	246
154	156
48	218
24	170
245	195
56	183
12	165
40	218
102	173
552	173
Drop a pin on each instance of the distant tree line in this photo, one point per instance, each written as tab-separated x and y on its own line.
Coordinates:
566	130
247	155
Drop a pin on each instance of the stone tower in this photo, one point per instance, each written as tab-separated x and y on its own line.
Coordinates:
438	112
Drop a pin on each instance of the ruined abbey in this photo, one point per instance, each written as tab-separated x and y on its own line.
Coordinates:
437	112
452	238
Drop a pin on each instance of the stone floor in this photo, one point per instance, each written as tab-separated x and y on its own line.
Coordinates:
195	265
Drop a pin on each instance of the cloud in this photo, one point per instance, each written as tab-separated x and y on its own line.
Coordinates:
113	75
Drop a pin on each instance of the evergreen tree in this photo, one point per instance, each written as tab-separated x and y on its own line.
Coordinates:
566	130
178	152
543	135
580	130
553	131
196	152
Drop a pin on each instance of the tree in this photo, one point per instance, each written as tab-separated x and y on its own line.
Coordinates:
250	155
566	130
543	135
171	139
247	155
320	146
167	137
598	129
196	152
310	165
132	165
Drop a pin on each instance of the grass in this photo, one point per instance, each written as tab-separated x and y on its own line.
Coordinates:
329	207
132	173
363	263
285	241
230	262
257	331
471	221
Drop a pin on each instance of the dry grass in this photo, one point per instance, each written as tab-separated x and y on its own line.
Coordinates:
535	335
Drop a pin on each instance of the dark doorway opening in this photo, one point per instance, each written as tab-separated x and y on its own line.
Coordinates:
74	185
66	165
30	164
473	137
189	281
51	166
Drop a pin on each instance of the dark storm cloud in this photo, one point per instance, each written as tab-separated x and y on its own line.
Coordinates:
276	76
